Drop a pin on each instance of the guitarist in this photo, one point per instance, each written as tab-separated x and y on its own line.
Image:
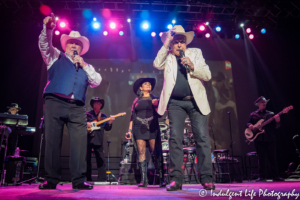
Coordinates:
265	143
95	139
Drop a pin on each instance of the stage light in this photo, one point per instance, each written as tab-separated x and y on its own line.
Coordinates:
218	28
160	34
145	25
94	19
57	32
105	33
128	20
170	26
202	28
237	36
96	25
62	24
173	21
112	25
263	30
121	33
207	35
248	30
153	34
251	36
206	23
56	18
241	25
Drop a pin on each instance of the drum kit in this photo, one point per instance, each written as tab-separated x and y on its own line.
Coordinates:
188	137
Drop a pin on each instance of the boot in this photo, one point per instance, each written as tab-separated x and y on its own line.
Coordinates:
144	179
159	167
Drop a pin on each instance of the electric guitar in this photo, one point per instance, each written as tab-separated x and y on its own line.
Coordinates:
95	124
251	135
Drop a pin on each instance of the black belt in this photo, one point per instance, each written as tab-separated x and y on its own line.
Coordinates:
187	98
72	101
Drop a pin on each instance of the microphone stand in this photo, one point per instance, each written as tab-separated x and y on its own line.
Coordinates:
231	142
213	136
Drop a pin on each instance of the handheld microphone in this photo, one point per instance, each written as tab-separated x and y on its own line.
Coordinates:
186	66
76	64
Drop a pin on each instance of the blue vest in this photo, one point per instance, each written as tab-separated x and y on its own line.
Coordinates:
64	79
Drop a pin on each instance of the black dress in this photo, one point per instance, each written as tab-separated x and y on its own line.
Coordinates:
144	119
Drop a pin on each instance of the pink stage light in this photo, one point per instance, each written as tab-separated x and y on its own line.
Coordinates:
112	25
62	24
251	36
248	30
207	35
57	32
202	28
105	33
160	34
153	34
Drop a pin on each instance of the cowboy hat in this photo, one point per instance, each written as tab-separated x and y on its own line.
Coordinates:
179	30
138	83
262	98
97	99
76	36
14	105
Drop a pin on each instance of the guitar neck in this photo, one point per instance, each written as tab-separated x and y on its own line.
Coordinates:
269	120
107	119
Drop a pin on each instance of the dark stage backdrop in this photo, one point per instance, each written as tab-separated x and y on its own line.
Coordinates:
265	66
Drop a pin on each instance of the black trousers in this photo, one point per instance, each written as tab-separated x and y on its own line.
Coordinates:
57	113
266	152
177	111
100	159
12	143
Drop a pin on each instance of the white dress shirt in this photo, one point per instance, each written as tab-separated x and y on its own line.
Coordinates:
50	54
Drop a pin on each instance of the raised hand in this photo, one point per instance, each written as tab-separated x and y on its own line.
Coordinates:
50	21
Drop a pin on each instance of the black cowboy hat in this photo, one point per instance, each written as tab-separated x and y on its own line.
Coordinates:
138	83
262	98
97	99
14	105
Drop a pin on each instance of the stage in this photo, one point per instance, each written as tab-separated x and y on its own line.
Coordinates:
245	190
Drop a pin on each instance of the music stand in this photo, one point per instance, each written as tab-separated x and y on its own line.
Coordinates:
37	179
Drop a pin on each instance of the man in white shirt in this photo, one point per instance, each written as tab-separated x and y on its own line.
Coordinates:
184	94
65	93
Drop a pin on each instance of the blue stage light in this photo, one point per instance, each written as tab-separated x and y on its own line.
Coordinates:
263	30
121	33
218	28
170	26
145	25
237	36
96	25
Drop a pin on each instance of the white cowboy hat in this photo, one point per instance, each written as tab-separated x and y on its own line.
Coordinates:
75	35
180	31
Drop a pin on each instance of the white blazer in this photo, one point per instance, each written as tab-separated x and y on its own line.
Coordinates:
166	61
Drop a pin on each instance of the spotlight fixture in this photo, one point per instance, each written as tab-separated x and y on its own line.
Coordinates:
160	34
218	28
206	23
248	30
94	19
57	32
263	30
207	35
128	20
237	36
62	24
202	28
121	33
242	25
173	21
105	33
145	25
96	25
112	25
170	26
153	34
251	36
56	18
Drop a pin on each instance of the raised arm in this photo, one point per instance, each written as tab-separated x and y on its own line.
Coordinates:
160	59
201	69
49	53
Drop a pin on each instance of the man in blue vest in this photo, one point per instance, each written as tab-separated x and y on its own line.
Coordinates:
65	95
